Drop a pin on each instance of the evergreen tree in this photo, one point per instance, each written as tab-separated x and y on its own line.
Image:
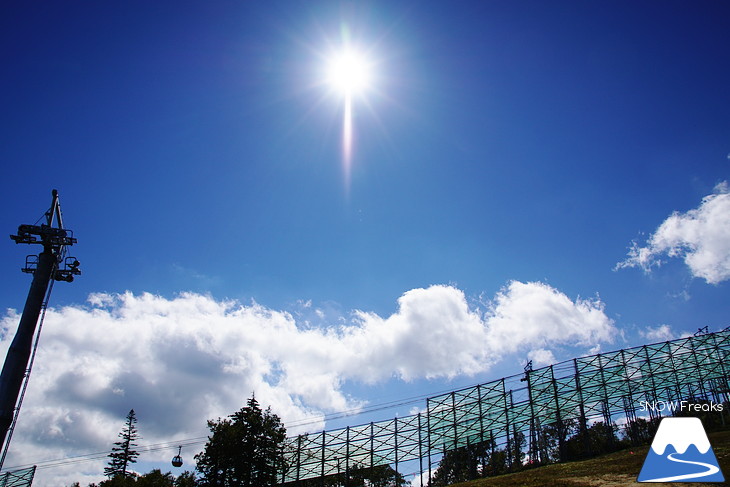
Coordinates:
553	441
463	464
118	481
361	476
123	452
155	478
186	479
516	450
641	431
245	449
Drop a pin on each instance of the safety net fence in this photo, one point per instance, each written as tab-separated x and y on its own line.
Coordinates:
607	387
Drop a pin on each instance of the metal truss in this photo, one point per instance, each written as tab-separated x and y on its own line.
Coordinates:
17	478
606	387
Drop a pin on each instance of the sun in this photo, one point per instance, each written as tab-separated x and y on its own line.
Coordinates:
349	75
349	72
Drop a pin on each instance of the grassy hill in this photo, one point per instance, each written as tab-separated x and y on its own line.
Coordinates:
613	470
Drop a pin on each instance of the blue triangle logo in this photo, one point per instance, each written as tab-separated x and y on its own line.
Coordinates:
680	452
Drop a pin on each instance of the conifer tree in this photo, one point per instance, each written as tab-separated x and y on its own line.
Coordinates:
244	450
124	451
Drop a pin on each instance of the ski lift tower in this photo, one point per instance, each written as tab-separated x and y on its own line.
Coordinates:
50	265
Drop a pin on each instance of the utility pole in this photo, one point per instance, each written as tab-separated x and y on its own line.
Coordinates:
50	264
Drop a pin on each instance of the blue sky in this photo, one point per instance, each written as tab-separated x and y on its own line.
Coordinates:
505	158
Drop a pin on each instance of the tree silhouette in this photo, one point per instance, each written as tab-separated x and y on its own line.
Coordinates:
245	449
463	464
186	479
155	478
123	452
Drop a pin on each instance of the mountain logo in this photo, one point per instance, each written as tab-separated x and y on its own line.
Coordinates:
680	452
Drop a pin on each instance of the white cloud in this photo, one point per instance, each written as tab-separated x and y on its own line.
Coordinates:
701	237
541	357
433	334
181	361
535	314
660	333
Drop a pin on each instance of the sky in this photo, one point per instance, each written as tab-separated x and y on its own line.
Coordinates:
523	181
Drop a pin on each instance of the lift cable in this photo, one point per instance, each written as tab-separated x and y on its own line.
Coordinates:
200	440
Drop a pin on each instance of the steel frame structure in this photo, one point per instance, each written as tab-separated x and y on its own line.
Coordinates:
18	478
603	387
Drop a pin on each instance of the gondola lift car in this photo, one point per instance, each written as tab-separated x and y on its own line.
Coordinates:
177	460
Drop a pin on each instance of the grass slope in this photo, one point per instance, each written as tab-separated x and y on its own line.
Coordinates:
612	470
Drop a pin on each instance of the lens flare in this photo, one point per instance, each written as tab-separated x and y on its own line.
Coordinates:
347	140
349	72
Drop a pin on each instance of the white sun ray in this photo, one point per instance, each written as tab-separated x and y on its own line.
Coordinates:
349	75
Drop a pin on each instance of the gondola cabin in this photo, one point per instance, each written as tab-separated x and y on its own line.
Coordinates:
177	460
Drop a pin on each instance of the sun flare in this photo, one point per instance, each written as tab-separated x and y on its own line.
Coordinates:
349	73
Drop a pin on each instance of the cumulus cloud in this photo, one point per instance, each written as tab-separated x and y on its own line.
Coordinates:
181	361
660	333
537	314
701	237
541	357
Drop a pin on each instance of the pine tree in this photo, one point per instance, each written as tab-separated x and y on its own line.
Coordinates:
123	452
244	450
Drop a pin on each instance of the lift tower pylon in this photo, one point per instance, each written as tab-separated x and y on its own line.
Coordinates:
51	263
